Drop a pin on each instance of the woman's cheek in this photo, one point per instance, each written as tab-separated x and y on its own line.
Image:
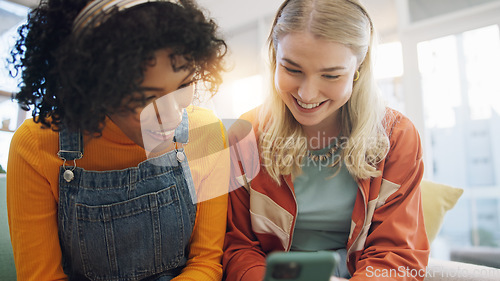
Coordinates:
283	82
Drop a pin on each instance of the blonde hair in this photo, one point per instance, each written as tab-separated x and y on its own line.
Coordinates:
283	142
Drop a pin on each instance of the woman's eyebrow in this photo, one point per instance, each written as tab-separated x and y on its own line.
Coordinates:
291	62
153	89
330	69
327	69
159	89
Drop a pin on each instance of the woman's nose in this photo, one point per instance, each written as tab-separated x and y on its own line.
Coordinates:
308	91
168	111
162	114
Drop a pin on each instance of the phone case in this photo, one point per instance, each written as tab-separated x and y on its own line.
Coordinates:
301	266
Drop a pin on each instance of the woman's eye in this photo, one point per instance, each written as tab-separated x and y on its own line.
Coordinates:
186	84
150	99
291	70
327	76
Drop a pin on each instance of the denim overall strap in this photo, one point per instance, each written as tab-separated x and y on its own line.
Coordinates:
182	131
70	145
182	136
130	224
70	148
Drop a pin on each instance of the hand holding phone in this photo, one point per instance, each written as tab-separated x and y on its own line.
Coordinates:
333	278
301	266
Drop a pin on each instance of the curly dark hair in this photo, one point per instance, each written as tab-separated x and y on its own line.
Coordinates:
76	80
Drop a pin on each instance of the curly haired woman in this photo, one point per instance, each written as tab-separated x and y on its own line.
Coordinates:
102	183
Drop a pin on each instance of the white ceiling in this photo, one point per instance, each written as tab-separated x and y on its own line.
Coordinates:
28	3
231	14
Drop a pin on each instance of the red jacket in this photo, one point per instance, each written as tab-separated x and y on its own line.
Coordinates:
387	237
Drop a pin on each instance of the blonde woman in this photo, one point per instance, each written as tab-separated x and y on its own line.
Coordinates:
338	170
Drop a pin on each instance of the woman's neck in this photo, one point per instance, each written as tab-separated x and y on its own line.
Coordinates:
322	135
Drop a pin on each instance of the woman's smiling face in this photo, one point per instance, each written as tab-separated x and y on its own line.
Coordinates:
167	93
314	77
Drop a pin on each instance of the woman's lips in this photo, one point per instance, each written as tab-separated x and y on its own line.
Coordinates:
161	135
308	107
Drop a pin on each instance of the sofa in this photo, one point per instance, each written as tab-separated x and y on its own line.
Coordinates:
437	200
7	268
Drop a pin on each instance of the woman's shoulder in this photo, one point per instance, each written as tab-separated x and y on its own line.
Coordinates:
205	128
403	135
199	116
396	122
33	132
35	145
252	115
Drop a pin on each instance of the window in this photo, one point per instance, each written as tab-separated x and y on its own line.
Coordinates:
388	72
461	95
425	9
11	116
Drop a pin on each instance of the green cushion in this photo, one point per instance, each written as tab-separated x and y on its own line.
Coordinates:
7	267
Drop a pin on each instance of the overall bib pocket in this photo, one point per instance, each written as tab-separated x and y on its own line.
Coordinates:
121	240
125	225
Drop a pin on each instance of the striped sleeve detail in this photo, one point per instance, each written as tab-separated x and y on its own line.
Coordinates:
360	241
269	218
387	189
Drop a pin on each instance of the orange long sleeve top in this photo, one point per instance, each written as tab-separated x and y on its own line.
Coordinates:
32	192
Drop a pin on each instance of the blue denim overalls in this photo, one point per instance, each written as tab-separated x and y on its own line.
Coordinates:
131	224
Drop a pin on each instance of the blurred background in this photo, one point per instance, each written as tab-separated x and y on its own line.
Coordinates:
437	62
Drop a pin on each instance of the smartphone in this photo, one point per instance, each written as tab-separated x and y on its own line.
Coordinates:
301	266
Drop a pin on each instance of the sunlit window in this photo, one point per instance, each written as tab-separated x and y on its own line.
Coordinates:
13	16
440	81
389	60
461	92
388	72
239	96
481	56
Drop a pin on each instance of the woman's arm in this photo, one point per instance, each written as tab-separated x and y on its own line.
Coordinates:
244	259
212	166
205	252
397	245
32	210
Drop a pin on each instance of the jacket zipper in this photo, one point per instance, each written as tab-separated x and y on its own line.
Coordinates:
294	217
364	223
